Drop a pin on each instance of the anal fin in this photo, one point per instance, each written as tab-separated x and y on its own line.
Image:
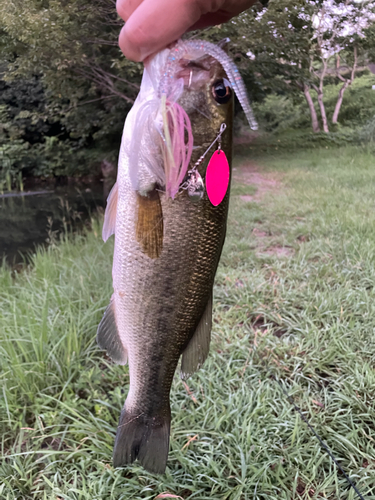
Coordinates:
149	230
108	337
197	350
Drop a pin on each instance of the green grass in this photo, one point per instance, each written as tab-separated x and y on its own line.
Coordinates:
307	319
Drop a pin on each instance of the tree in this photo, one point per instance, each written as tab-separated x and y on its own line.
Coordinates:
71	49
296	45
353	41
69	43
279	41
339	33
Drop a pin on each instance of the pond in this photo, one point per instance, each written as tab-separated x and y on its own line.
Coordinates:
30	219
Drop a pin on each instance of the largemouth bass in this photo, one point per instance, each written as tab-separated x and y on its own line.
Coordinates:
168	238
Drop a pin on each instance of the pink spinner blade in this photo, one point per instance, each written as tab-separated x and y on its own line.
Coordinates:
217	177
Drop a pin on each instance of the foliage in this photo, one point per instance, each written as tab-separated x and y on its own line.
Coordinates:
65	55
294	46
278	113
359	101
40	138
306	318
65	87
367	132
73	45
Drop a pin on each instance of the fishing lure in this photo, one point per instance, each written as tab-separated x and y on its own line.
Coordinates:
161	121
217	175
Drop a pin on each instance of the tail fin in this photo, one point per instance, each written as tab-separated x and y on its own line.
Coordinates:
143	437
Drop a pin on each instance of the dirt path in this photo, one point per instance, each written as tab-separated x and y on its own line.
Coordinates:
265	183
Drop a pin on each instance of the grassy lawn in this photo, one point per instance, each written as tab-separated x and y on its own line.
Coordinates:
294	302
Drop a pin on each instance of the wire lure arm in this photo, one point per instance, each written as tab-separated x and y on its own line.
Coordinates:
194	183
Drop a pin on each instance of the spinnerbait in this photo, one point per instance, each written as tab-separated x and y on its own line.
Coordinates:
194	183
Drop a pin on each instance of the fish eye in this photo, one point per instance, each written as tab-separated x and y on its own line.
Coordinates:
222	91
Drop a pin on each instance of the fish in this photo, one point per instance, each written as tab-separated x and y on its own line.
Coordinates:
168	237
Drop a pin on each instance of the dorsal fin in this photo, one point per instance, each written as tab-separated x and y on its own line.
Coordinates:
149	230
110	214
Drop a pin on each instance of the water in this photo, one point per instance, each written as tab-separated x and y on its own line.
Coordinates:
28	221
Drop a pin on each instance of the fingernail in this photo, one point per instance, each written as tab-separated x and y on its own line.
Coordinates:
144	54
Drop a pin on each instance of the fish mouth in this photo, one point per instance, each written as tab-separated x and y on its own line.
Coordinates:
196	73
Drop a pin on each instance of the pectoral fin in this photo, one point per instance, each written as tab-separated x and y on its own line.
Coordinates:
197	350
108	337
149	230
110	214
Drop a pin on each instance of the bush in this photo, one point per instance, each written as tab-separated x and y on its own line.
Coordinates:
278	113
38	139
367	133
358	105
299	140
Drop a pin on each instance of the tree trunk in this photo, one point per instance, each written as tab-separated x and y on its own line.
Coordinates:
320	92
339	102
323	112
346	83
310	102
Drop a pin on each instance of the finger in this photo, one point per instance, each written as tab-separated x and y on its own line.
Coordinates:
211	20
230	8
154	25
125	8
235	7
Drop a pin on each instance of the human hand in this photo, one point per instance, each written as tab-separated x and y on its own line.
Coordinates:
153	24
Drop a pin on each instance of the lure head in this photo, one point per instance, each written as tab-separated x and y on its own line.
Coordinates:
194	185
